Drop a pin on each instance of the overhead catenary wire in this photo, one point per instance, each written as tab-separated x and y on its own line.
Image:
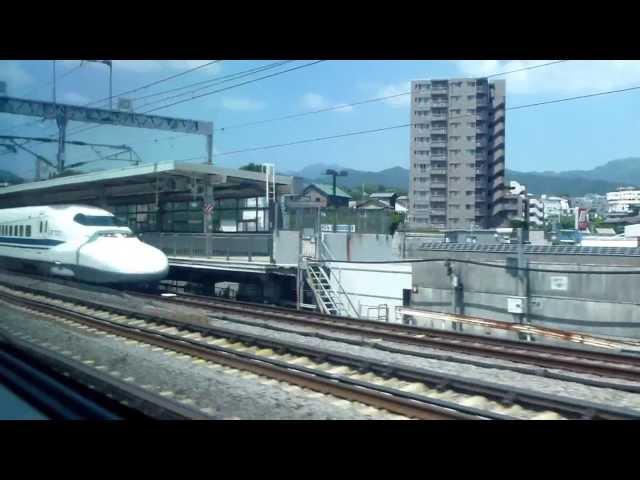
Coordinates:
194	97
369	100
345	105
405	125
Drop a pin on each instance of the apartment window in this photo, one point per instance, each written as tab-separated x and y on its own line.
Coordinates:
454	179
455	151
469	179
455	165
470	151
468	206
455	124
453	193
471	83
456	111
468	193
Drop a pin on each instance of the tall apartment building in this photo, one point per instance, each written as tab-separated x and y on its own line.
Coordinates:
457	154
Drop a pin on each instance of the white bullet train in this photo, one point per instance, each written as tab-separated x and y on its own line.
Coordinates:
82	242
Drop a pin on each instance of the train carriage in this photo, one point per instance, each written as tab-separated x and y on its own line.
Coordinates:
83	242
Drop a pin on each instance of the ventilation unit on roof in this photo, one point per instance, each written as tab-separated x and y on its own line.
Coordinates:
125	104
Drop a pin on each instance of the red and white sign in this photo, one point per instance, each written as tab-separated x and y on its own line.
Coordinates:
582	219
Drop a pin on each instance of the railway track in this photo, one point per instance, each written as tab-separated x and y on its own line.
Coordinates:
416	393
601	363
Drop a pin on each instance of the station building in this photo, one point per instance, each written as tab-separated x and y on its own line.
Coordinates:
215	224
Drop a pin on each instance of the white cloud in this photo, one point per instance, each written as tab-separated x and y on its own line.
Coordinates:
15	76
74	98
400	101
569	78
242	104
314	101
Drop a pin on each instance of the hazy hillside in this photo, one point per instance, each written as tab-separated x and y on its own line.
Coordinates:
602	179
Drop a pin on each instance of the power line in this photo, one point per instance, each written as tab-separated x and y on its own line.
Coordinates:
370	100
341	106
194	97
237	85
362	132
229	77
58	78
162	80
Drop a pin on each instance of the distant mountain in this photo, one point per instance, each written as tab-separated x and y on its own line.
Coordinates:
395	177
602	179
6	176
553	183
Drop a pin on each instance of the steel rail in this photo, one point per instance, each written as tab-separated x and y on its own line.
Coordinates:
614	365
505	394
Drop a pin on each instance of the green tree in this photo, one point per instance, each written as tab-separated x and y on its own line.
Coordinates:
397	219
252	167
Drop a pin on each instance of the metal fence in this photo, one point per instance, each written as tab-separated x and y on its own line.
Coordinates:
229	246
345	218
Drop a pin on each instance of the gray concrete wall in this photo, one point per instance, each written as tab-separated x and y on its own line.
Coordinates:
597	303
286	247
362	246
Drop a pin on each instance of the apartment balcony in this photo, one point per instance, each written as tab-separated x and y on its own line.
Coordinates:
438	143
439	157
439	184
438	211
439	116
439	171
439	104
437	89
439	131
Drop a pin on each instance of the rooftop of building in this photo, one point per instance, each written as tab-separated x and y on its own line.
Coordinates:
328	189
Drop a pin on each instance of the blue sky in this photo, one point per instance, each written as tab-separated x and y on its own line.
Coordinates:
573	135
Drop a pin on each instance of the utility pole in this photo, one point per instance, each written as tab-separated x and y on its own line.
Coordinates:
335	174
108	63
54	81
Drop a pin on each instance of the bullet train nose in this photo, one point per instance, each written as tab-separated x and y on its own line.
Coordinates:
124	258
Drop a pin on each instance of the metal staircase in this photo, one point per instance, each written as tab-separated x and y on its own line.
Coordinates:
327	299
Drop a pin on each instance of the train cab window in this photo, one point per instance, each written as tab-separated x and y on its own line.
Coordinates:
97	220
27	231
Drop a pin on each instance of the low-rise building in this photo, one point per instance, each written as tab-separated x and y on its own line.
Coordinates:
323	194
555	206
624	200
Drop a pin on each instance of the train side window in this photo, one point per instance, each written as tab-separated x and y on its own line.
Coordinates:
27	232
11	230
40	226
20	230
46	225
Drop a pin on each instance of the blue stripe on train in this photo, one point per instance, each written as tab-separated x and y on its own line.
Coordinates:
30	247
31	241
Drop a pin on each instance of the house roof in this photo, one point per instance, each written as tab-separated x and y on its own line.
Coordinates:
373	203
383	195
328	190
